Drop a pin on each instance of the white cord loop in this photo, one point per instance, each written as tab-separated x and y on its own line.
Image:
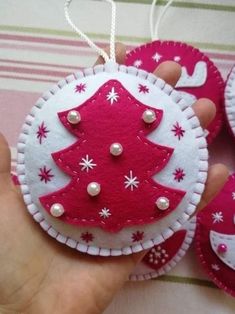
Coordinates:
154	31
100	51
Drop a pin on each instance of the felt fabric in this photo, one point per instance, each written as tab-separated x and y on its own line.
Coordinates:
119	203
44	135
216	229
163	257
200	78
230	100
15	179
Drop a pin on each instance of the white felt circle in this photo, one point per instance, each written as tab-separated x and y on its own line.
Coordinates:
229	96
144	272
191	154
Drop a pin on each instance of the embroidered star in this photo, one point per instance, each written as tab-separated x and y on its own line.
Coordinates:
80	88
157	254
179	174
138	236
233	196
112	96
42	132
156	57
217	217
131	182
215	267
87	237
105	213
143	89
177	58
87	163
45	174
178	130
138	63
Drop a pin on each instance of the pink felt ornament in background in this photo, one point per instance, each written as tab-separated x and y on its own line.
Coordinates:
199	79
166	255
215	238
100	158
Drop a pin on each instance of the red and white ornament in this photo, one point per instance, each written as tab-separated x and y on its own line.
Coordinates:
100	160
166	255
215	238
199	79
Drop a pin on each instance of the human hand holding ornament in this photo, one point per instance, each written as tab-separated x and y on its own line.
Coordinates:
39	275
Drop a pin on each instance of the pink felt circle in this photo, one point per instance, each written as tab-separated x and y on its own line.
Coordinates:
193	63
216	229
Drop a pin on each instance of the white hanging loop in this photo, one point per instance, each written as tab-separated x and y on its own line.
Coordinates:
100	51
154	31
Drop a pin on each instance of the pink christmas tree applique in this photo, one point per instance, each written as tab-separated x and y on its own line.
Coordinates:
111	164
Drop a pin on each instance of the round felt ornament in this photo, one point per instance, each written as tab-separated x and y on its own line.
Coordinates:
215	238
230	100
199	79
166	255
111	160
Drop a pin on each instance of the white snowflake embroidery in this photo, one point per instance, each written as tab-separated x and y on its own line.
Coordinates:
138	63
233	196
215	267
131	182
177	58
112	96
158	254
217	217
156	57
105	213
87	164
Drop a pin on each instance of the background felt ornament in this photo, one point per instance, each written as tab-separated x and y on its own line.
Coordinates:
199	79
230	100
215	238
166	255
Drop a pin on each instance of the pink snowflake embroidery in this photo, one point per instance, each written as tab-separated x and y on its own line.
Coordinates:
42	132
179	174
87	237
143	89
80	88
178	130
138	236
45	174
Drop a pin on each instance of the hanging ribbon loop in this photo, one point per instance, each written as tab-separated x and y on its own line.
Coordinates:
154	31
100	51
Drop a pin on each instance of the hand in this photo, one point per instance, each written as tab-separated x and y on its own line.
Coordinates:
39	275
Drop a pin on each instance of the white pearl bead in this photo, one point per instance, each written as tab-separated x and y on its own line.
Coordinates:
57	210
74	117
116	149
93	188
149	116
162	203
